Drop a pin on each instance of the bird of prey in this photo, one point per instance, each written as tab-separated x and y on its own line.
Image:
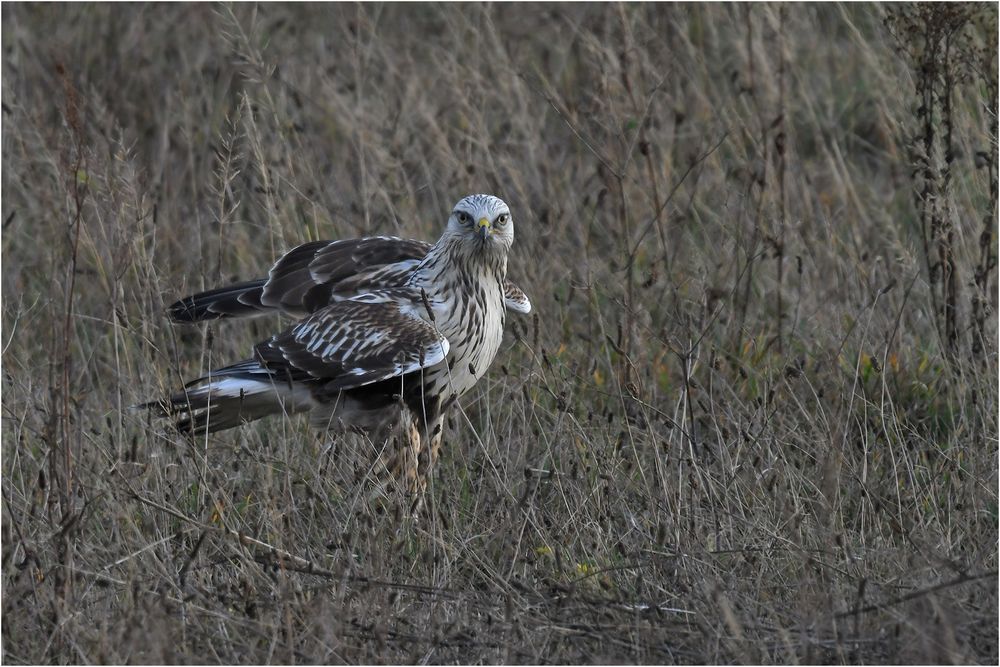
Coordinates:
392	333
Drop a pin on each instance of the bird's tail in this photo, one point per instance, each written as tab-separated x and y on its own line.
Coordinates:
239	300
229	397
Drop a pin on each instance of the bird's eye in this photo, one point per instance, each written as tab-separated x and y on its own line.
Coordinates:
463	217
502	219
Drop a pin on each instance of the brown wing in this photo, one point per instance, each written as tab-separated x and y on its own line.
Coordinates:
352	343
312	275
305	279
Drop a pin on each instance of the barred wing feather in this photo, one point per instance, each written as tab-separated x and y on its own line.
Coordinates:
308	277
356	342
312	275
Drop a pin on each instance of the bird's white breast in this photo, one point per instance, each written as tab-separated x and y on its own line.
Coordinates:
471	317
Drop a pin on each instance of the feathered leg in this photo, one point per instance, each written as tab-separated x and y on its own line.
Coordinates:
427	453
408	460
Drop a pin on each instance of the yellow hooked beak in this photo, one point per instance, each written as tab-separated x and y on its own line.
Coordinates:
484	227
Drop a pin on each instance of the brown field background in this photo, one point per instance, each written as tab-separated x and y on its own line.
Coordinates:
753	417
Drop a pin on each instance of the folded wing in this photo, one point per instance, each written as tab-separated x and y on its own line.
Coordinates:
349	344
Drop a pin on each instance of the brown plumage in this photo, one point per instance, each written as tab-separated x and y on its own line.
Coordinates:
393	332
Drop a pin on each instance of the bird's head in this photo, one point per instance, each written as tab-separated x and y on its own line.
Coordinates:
484	222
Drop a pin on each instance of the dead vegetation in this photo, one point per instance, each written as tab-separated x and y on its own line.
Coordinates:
754	418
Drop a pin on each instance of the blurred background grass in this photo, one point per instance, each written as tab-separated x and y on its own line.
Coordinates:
753	416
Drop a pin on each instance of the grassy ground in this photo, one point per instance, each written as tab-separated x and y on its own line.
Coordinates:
748	421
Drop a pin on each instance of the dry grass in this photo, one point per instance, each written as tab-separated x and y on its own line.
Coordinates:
733	432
